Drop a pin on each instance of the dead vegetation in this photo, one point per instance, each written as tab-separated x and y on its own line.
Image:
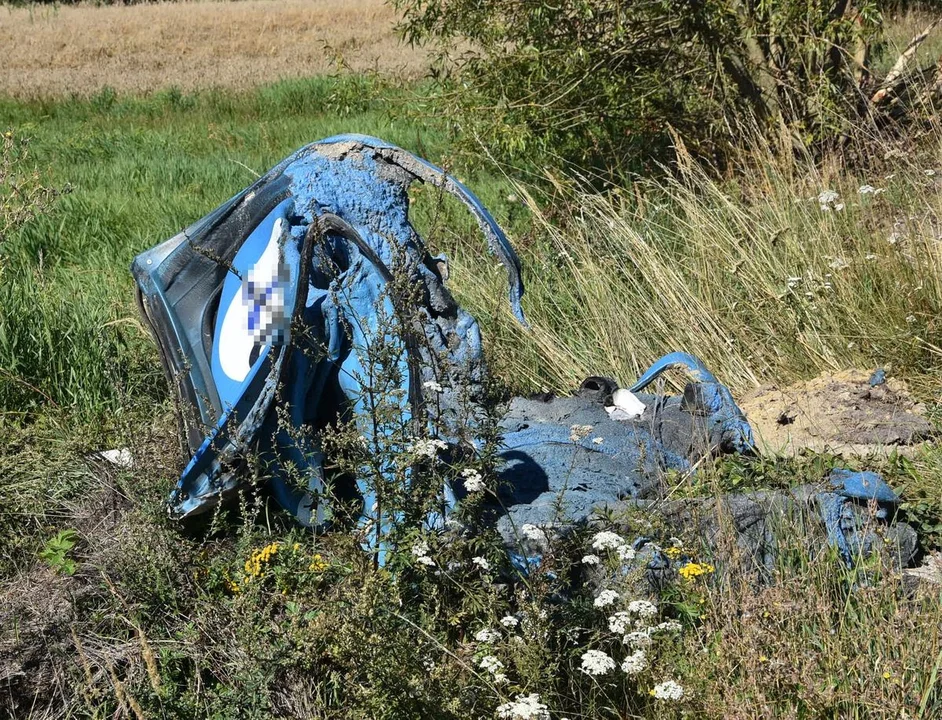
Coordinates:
52	51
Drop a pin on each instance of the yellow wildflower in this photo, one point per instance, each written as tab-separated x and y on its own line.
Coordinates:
673	552
253	566
693	570
318	564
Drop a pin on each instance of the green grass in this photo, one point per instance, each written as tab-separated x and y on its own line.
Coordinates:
157	622
139	170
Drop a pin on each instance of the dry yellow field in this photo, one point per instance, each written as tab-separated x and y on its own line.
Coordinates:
50	51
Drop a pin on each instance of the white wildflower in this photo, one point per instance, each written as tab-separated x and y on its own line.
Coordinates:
839	207
643	609
595	662
473	482
509	621
668	626
486	635
839	264
637	639
428	447
532	532
793	282
619	622
828	199
481	563
607	540
635	663
491	664
866	190
910	319
499	678
420	553
432	385
667	690
591	560
525	707
606	598
626	553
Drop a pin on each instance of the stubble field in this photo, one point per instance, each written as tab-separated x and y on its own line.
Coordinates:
140	48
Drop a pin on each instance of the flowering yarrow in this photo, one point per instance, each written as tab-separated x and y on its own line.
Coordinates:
668	626
491	664
428	447
595	662
619	622
607	540
635	663
667	690
643	609
626	553
605	598
473	482
532	532
481	563
828	199
525	707
486	635
432	385
590	560
509	621
420	553
638	639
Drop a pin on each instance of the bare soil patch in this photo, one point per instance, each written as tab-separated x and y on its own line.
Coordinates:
194	45
839	413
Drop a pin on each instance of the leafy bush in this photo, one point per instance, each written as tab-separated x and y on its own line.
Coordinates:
606	83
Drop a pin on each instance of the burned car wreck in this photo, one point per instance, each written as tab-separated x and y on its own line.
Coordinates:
262	312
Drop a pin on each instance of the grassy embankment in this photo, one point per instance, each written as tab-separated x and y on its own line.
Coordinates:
752	274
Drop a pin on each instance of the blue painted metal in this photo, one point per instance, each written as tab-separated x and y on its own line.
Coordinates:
693	366
862	485
845	529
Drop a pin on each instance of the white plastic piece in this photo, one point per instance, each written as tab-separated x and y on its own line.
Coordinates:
625	406
121	457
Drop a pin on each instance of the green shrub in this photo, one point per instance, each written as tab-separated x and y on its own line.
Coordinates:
608	83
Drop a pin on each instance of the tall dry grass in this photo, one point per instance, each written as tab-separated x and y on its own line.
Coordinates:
781	272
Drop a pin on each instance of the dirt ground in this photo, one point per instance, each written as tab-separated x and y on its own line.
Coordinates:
51	51
840	413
